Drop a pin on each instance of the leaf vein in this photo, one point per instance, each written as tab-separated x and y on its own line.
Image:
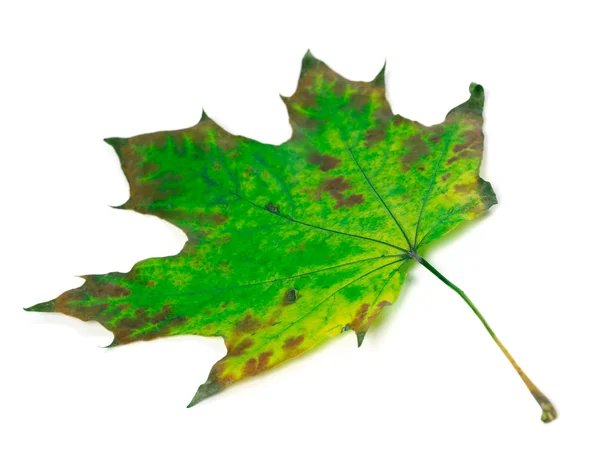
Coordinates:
291	219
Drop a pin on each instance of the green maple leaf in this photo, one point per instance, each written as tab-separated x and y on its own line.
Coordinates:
290	245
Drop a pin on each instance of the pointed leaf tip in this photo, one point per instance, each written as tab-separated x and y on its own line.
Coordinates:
308	62
204	116
360	337
379	80
206	390
115	142
42	307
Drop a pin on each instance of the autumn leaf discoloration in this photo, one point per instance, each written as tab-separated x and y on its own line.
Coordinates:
87	313
473	140
98	289
416	148
255	366
239	348
373	136
214	219
335	187
293	342
325	162
360	316
465	188
248	325
288	245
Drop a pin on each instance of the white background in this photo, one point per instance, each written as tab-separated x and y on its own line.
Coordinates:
428	382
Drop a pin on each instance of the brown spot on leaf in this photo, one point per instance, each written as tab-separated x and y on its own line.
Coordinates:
335	187
293	342
110	290
417	149
337	184
473	140
96	290
471	153
465	188
123	308
290	297
398	120
436	134
339	88
215	219
147	168
165	312
85	313
143	319
152	334
178	321
452	160
446	176
360	100
254	366
248	325
218	375
250	367
195	239
304	122
353	200
241	347
360	316
122	336
263	360
325	162
375	313
125	333
374	135
131	323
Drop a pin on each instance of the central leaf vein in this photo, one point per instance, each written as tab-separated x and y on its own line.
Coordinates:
291	219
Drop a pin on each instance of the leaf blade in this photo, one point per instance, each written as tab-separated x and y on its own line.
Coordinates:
289	245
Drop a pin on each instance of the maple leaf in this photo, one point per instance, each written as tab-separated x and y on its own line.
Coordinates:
290	245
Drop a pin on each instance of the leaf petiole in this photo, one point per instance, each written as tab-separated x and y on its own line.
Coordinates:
548	410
